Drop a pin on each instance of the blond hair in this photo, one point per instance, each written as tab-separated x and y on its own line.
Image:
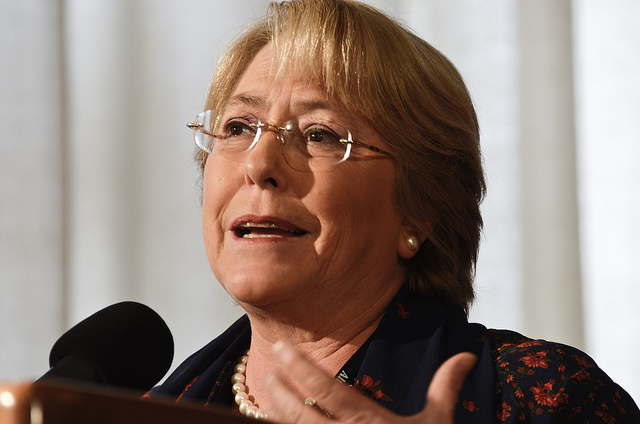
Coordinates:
412	96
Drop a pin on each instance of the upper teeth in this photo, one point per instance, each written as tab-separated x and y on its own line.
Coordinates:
259	225
245	230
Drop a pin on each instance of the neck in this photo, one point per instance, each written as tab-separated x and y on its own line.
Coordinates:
328	342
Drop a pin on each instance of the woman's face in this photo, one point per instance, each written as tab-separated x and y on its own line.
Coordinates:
275	235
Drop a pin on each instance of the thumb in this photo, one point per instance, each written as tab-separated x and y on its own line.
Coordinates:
442	395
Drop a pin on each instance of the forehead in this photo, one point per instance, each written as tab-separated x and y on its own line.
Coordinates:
261	88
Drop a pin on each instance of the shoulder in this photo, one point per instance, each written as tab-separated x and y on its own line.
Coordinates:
201	375
538	378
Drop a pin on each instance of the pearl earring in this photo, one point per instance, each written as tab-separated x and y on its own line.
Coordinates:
413	243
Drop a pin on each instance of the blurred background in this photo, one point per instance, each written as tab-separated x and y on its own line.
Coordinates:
99	197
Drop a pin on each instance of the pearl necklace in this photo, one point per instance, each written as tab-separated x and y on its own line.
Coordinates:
240	390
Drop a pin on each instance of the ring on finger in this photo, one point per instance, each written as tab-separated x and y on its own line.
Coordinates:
315	405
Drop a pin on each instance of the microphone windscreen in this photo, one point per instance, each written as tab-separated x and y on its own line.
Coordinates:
125	345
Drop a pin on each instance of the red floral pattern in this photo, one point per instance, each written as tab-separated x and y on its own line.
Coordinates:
402	311
371	388
469	405
517	380
540	382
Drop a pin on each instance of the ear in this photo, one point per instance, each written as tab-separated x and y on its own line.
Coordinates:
405	250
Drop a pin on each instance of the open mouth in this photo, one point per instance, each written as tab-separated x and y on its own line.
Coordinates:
266	230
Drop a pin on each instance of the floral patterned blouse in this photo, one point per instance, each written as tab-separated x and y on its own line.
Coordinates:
516	379
540	381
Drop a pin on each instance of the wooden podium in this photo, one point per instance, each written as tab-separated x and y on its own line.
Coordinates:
47	403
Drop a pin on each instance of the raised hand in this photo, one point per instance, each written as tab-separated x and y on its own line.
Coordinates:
335	402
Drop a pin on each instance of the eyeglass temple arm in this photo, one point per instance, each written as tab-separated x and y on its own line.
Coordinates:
349	143
199	127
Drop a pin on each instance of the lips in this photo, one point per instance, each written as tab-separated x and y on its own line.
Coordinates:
265	227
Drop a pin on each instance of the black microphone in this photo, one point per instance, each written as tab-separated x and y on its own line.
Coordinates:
125	345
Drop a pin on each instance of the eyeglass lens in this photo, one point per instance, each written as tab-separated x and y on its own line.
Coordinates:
319	145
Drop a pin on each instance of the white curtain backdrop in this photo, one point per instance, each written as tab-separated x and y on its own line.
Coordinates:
98	193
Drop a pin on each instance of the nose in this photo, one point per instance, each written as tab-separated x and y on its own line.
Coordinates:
265	164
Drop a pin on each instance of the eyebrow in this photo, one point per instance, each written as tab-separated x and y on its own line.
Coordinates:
306	106
247	100
300	107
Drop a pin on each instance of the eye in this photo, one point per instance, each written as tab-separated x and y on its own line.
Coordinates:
239	127
236	129
321	134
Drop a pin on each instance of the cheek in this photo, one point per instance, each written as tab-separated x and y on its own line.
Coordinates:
217	191
210	212
360	207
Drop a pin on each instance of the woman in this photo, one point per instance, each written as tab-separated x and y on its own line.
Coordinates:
342	180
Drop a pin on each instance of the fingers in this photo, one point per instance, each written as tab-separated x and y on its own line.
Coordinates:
334	401
286	406
445	387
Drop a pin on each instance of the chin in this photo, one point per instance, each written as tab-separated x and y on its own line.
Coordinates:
259	289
